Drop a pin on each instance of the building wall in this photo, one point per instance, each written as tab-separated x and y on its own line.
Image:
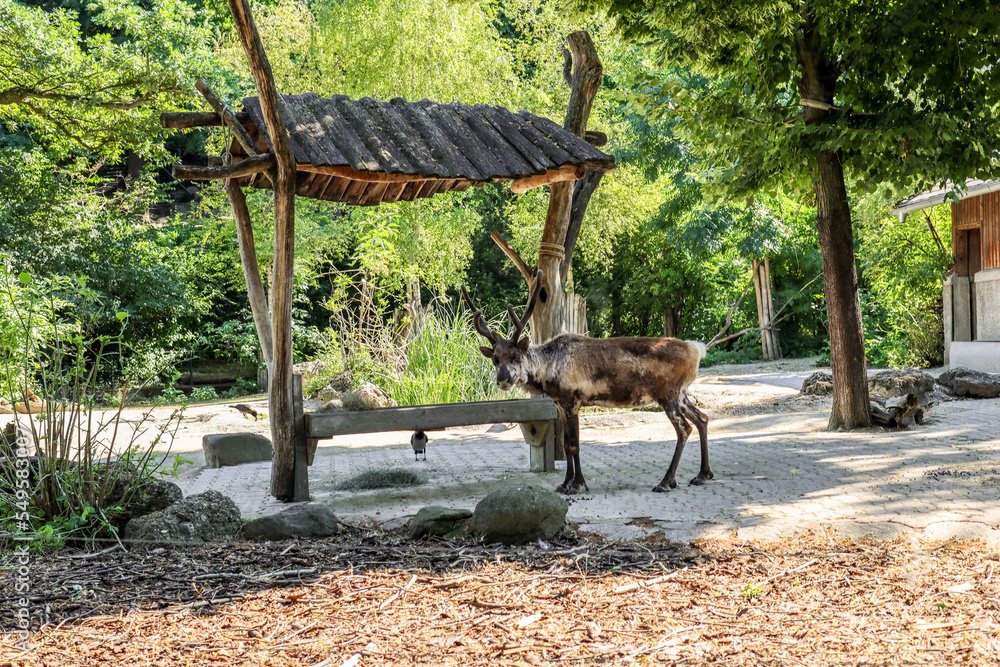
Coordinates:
972	292
987	304
975	233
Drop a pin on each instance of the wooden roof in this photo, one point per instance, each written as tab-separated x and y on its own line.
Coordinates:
367	152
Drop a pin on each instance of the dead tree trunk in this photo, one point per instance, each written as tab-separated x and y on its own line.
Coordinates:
765	309
547	321
283	483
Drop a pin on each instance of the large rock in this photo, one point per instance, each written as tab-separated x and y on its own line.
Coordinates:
963	381
327	393
154	495
519	514
203	517
900	383
437	521
306	520
230	449
819	383
366	397
309	368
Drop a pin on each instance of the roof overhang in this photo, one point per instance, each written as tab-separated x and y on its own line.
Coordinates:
944	193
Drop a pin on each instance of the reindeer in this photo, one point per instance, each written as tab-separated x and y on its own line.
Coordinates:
576	371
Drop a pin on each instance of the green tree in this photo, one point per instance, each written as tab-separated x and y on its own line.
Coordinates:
795	96
102	91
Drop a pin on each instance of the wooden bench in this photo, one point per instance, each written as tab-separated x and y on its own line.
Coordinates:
538	418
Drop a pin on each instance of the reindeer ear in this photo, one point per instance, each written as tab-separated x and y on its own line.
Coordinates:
487	352
523	344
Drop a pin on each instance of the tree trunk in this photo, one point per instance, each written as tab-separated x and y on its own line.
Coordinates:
669	323
280	390
547	320
851	408
818	82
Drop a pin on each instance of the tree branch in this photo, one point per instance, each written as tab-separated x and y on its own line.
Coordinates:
526	271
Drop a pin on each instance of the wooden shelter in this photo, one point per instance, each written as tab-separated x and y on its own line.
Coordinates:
367	152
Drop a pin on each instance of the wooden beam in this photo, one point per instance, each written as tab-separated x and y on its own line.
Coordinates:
228	117
567	173
183	120
365	176
251	165
282	414
423	417
251	274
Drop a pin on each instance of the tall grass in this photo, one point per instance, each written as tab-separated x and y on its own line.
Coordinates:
444	364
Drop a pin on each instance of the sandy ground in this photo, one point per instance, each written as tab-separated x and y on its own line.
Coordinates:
723	390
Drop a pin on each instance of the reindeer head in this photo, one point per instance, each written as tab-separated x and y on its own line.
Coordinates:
507	354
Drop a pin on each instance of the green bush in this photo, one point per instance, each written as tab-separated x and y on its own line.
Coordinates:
204	394
89	466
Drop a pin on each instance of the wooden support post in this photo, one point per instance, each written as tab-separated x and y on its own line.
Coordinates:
251	273
771	346
540	436
280	389
301	493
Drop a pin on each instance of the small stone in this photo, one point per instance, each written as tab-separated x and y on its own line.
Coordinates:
963	381
306	520
203	517
230	449
366	397
900	382
819	383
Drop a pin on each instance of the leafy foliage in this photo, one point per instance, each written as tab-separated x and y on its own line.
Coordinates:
102	91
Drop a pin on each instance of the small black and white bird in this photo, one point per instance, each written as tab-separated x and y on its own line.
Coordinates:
419	443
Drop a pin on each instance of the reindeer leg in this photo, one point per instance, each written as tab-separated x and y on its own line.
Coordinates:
682	428
701	422
574	482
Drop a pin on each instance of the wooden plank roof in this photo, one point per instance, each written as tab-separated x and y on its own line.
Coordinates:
367	152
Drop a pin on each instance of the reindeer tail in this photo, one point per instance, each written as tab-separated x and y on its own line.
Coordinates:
700	347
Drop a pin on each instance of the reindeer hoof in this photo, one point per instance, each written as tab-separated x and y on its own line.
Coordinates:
659	489
701	479
561	489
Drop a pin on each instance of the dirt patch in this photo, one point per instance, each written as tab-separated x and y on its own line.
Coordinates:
780	366
814	600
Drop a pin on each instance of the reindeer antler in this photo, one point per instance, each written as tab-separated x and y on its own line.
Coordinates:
477	318
520	322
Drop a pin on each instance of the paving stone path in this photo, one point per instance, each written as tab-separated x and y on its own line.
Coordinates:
774	474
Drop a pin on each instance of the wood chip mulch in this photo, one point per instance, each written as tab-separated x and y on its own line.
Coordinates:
375	599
